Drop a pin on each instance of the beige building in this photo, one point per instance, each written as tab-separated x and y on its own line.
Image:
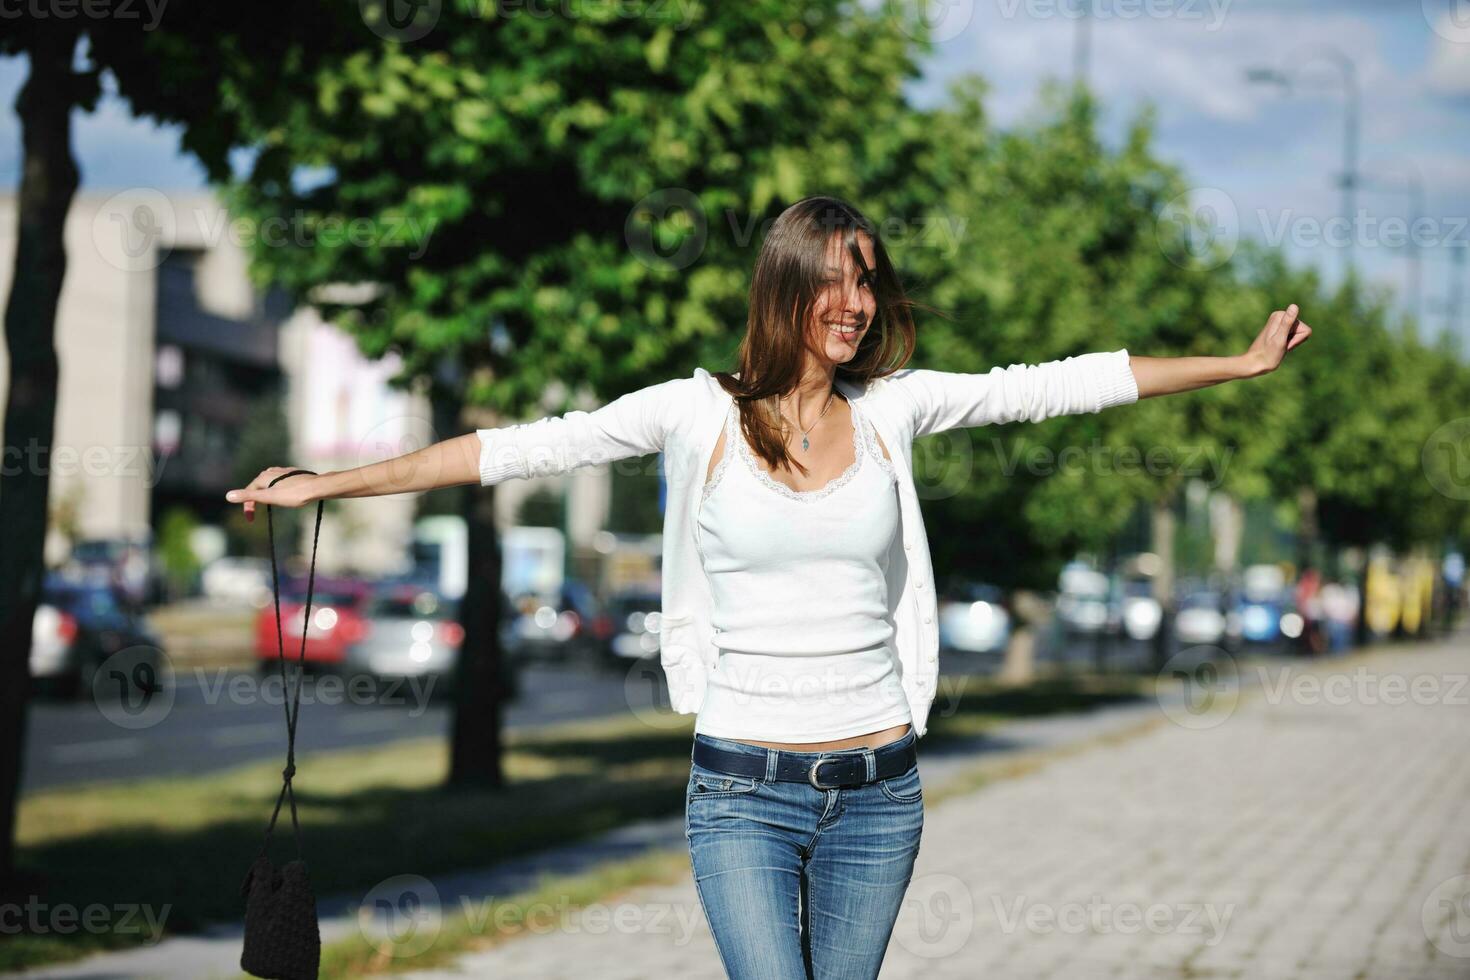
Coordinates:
165	347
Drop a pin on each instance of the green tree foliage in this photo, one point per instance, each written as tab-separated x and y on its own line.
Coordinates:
496	167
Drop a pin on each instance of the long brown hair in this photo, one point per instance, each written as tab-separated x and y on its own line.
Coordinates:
783	293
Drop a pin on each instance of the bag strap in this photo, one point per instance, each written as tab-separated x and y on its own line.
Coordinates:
293	704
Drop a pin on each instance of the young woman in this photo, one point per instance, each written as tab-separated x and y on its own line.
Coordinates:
798	619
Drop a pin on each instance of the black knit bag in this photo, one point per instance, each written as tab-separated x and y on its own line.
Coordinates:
282	939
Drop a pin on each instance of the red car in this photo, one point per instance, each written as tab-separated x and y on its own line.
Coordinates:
337	622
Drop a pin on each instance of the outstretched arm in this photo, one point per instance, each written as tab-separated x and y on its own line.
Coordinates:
443	464
634	424
1169	375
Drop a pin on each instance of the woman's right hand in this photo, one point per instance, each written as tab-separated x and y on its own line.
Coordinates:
294	491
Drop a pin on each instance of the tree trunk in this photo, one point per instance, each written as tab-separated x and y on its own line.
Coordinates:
1307	528
1028	614
47	185
482	679
1162	534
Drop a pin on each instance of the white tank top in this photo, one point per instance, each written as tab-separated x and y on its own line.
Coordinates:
800	605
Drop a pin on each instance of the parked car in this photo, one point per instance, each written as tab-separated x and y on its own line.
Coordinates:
130	561
407	632
81	621
1137	613
337	606
973	619
1204	617
1264	601
568	626
238	579
635	622
1082	602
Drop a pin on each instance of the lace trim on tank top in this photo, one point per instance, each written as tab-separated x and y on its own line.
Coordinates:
870	435
863	441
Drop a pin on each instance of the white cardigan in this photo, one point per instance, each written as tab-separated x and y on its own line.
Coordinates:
683	418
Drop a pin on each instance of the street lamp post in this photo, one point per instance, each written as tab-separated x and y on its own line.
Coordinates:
1411	184
1081	46
1352	110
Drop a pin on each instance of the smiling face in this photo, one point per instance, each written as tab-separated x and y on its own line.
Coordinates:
845	304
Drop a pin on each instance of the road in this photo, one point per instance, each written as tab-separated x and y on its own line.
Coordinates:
220	717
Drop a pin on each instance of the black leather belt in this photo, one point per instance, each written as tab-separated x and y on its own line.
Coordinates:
829	770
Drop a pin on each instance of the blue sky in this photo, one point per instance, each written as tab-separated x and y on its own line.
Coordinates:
1266	155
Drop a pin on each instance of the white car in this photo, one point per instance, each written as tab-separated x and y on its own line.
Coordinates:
238	580
1082	605
1203	619
973	619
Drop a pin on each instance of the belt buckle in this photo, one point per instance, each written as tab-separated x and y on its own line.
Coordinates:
811	774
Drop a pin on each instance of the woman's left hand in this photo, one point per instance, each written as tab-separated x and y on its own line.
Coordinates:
1283	331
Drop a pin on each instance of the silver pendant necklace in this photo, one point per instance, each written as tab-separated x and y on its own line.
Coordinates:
805	442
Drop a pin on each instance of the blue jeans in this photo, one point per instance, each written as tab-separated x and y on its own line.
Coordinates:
797	881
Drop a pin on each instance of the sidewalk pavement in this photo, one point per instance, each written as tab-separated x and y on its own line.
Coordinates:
1318	826
214	954
1292	832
